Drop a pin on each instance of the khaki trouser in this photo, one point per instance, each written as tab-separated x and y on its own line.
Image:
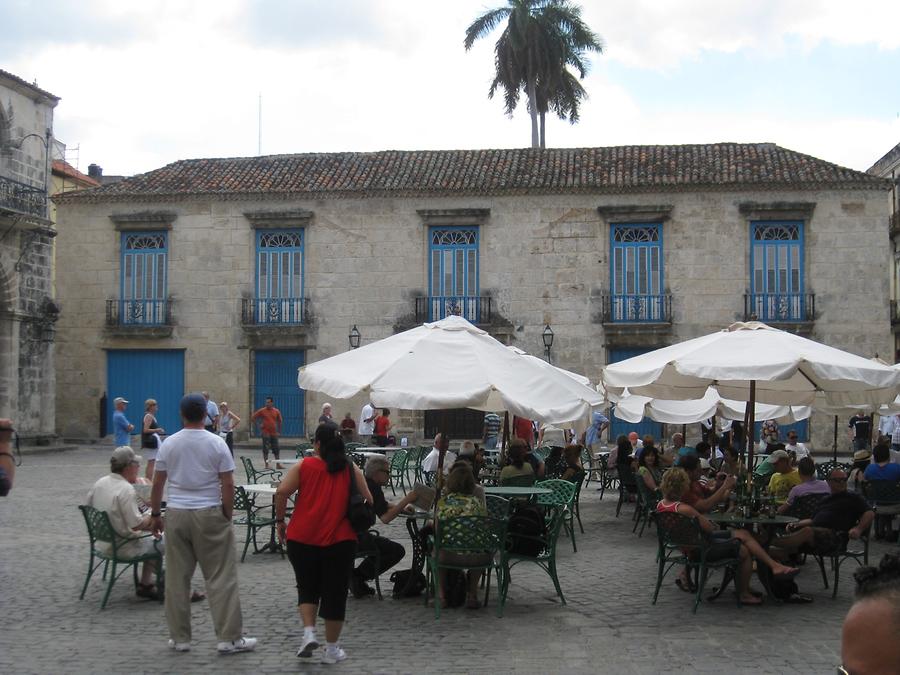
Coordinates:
202	536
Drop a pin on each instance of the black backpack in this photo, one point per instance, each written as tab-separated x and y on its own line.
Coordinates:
400	579
528	520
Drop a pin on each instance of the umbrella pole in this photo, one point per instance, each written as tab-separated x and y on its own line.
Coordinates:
445	440
751	414
505	440
834	443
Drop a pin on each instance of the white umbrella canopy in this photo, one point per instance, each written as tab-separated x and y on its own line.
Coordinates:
581	379
787	370
451	364
633	408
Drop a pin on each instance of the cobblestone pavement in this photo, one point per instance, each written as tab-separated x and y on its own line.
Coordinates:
608	626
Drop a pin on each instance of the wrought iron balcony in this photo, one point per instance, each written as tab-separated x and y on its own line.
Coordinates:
274	311
23	198
636	308
473	308
780	307
139	313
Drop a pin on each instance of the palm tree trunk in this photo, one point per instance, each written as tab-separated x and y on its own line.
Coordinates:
532	100
543	130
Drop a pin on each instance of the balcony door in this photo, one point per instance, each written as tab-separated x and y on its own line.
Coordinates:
279	277
776	258
637	273
453	273
144	270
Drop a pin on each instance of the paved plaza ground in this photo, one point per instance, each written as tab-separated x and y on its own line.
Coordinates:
608	626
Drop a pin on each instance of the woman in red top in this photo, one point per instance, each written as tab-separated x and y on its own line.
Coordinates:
320	541
382	428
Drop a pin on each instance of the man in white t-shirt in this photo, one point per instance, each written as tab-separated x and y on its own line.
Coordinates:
793	445
200	473
430	463
366	426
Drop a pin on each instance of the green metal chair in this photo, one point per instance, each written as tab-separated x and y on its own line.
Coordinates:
358	459
883	495
300	450
545	559
562	496
841	553
517	481
578	479
250	516
413	455
362	551
683	542
352	445
398	470
627	484
646	504
259	475
100	530
497	507
419	475
479	536
823	470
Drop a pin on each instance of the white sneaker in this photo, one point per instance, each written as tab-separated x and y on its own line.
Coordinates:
179	646
243	644
307	647
335	656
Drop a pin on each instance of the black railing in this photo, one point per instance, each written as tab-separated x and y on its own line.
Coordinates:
23	198
139	312
780	307
637	308
274	311
476	309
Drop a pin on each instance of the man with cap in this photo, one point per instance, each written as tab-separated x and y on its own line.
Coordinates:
785	477
200	472
122	428
767	467
115	494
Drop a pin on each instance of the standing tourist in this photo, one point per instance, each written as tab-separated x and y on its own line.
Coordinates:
367	422
211	422
592	437
268	418
861	431
491	433
228	422
150	433
122	428
326	416
383	427
524	428
320	540
200	503
348	428
769	435
7	461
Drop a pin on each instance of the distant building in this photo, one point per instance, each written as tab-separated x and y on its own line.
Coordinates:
28	311
228	274
889	167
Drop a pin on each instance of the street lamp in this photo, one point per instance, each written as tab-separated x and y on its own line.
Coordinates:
547	337
354	337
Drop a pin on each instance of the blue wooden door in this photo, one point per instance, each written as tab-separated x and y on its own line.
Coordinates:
617	426
275	375
139	374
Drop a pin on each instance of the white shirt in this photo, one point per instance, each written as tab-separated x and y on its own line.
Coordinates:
553	436
799	450
430	463
117	497
886	425
366	428
193	460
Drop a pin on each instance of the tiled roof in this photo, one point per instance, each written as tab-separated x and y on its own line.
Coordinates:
883	165
66	170
18	80
632	168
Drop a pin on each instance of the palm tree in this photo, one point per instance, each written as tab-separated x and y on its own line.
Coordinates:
542	38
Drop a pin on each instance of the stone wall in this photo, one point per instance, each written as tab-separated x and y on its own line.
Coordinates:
543	259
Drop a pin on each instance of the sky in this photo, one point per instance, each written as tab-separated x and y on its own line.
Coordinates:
147	83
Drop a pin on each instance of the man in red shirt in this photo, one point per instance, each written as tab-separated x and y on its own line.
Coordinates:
524	429
268	418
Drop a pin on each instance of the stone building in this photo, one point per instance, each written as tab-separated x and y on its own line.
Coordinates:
227	274
27	308
889	167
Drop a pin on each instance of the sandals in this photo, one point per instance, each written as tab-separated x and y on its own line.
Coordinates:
473	603
148	591
685	585
197	596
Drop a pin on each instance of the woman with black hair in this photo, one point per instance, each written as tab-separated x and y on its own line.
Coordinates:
321	542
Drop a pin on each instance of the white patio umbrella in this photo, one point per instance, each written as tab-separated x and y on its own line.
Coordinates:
581	379
452	364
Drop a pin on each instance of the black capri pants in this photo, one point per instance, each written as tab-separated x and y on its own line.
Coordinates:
323	576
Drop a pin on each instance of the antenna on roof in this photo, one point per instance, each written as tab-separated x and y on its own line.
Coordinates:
259	126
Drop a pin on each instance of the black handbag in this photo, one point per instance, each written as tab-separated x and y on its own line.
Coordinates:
360	513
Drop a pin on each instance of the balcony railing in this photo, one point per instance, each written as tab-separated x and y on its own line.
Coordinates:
139	312
476	309
637	308
23	198
780	307
274	311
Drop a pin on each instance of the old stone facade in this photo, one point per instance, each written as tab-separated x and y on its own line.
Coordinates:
889	167
548	236
27	308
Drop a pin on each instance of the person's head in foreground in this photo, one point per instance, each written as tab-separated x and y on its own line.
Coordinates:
869	644
674	484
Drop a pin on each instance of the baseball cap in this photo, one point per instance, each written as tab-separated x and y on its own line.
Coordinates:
192	405
118	399
777	455
122	457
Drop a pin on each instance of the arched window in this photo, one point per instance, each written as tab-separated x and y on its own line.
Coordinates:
637	272
776	261
279	276
453	272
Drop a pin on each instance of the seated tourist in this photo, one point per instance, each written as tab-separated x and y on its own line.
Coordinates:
636	443
516	462
555	464
869	644
842	514
430	463
861	461
784	479
809	484
766	468
470	452
704	497
551	436
649	469
731	464
676	484
795	448
537	464
670	456
647	442
115	494
460	500
378	473
881	467
572	462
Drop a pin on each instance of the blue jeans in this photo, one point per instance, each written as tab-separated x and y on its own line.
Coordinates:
490	442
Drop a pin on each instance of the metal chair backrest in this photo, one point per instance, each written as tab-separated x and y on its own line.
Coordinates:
563	492
676	530
497	506
398	461
646	495
883	492
823	471
98	525
517	481
806	506
248	468
358	459
468	534
627	476
242	501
